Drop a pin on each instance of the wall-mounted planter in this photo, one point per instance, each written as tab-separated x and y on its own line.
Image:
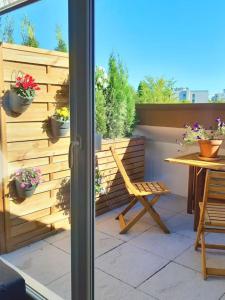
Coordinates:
17	103
59	128
24	192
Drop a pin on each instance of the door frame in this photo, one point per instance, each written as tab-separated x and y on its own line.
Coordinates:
81	156
81	54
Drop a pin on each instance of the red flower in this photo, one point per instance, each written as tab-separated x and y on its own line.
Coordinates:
26	82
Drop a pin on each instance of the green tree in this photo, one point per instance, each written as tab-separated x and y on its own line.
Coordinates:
120	102
101	84
7	30
61	44
153	90
130	120
100	113
28	33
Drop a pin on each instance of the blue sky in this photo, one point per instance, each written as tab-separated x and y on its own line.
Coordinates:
182	40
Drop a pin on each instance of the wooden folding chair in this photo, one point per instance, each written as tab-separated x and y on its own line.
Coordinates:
212	217
139	191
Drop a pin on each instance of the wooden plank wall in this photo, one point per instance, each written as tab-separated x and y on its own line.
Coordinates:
25	143
131	151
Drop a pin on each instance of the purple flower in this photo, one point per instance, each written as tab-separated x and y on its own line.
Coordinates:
196	127
218	120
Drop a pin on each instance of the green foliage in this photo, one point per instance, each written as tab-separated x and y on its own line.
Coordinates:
115	101
61	44
120	100
153	90
101	84
184	101
28	33
130	120
100	112
7	30
217	101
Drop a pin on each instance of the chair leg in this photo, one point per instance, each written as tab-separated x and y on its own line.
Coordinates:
198	236
126	209
204	270
125	227
153	214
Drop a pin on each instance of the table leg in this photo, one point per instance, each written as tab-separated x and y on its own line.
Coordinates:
191	190
199	191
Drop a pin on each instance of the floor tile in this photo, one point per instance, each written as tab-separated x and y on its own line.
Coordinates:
58	236
165	214
109	288
112	227
173	203
182	223
215	258
130	264
166	245
14	256
63	244
62	286
176	282
137	295
109	215
45	264
104	243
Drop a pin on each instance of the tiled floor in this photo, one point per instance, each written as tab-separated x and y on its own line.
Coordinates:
144	264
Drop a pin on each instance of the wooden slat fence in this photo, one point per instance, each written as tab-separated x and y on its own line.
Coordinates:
131	151
24	142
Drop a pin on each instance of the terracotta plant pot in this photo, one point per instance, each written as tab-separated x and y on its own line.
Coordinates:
24	193
59	128
209	148
17	103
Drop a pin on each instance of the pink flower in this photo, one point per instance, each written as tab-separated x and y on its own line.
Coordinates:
22	185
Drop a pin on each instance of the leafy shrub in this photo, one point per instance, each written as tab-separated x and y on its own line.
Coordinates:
115	100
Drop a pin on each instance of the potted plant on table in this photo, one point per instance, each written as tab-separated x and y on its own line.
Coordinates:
26	181
23	93
209	140
60	122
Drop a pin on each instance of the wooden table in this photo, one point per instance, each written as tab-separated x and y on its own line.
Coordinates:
196	181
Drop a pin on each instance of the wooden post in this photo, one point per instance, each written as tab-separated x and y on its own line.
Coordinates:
191	188
2	162
199	191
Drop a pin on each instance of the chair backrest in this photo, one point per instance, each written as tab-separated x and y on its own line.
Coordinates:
131	189
214	186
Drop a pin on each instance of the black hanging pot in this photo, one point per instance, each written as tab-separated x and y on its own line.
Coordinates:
17	103
59	128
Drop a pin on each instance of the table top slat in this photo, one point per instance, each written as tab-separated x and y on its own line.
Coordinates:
194	160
